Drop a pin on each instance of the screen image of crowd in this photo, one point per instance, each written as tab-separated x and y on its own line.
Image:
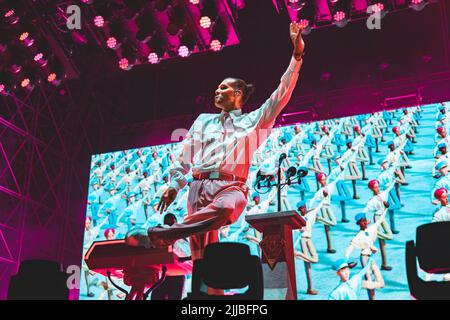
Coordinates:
372	179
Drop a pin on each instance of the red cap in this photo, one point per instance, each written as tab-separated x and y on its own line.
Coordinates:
108	230
321	175
356	128
440	129
373	183
396	128
324	127
440	192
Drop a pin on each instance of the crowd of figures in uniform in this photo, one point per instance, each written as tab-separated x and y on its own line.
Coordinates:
126	186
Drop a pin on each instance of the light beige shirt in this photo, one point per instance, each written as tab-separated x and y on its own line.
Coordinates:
218	142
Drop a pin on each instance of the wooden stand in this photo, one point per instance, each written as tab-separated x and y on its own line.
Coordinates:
277	252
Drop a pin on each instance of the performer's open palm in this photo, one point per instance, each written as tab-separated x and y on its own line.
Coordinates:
297	40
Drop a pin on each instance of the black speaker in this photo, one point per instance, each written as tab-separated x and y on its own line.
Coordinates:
39	280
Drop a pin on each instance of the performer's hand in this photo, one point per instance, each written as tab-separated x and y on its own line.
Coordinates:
374	250
297	40
386	204
167	198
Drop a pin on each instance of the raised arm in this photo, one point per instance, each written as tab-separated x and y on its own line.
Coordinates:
266	114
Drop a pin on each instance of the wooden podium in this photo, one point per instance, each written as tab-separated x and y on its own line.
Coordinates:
278	252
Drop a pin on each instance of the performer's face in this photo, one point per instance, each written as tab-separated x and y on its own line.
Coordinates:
110	235
226	97
87	224
443	171
323	181
443	134
392	147
257	200
444	199
384	165
302	210
349	145
443	150
376	189
344	274
363	223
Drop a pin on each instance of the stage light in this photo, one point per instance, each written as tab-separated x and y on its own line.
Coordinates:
205	22
26	39
215	45
39	58
296	4
5	83
111	43
418	5
11	17
2	88
306	16
27	83
99	21
378	7
153	58
183	51
15	68
87	1
124	64
340	11
194	1
53	79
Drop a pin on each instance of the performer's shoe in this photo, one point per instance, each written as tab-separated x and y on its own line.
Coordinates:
345	220
365	179
91	295
311	292
386	268
405	184
355	197
138	237
331	251
352	264
411	153
395	231
408	167
372	163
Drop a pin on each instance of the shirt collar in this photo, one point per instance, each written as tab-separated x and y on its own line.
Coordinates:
233	113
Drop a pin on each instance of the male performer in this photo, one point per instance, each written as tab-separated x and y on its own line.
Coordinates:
364	240
327	216
443	214
350	287
377	205
308	251
217	145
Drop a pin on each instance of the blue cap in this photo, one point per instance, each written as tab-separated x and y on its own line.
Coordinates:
108	205
441	145
348	141
382	160
360	216
391	143
339	264
441	117
301	203
440	165
441	107
255	194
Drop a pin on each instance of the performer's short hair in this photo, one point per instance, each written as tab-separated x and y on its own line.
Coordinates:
246	88
170	219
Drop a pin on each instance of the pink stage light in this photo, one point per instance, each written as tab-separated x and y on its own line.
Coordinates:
99	21
38	57
194	1
215	45
153	58
111	42
25	82
304	23
51	77
10	17
183	51
416	1
2	88
26	39
123	63
205	22
377	7
339	16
